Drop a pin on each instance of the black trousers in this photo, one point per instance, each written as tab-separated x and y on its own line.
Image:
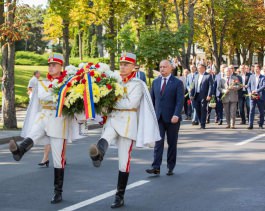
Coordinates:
201	109
172	131
242	101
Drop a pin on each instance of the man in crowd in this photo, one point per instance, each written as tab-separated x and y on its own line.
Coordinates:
140	74
202	92
218	95
211	71
187	103
190	87
167	95
33	83
256	90
243	99
228	88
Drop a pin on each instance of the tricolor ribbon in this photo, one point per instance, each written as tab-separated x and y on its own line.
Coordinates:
88	98
61	96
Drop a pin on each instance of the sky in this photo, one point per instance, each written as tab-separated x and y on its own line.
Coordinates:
34	2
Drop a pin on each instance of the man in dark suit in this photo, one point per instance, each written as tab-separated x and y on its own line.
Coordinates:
202	93
243	99
167	94
256	88
140	74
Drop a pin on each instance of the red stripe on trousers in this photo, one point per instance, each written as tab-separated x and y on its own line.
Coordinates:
63	155
129	158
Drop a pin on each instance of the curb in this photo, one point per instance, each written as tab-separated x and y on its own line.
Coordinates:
6	140
19	138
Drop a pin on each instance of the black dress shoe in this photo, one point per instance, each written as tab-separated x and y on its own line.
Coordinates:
153	171
220	123
203	127
242	123
170	173
250	127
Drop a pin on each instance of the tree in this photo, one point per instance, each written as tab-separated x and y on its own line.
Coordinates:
62	9
35	41
184	12
157	45
11	30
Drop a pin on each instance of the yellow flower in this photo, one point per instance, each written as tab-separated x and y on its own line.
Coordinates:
96	93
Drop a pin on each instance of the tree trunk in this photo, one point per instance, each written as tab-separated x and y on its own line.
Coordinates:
66	47
238	57
250	59
100	40
80	42
184	58
260	56
8	66
112	37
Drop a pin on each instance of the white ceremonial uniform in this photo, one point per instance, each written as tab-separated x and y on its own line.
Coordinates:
46	127
124	124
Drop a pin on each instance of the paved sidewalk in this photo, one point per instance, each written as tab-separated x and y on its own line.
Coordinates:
6	135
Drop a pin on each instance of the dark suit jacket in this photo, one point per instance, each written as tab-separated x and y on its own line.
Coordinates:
240	91
142	76
261	85
206	87
171	102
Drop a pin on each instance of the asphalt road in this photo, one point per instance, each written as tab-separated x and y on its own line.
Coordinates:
213	172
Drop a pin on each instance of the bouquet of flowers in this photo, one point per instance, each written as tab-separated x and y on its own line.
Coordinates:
236	84
212	103
254	96
91	89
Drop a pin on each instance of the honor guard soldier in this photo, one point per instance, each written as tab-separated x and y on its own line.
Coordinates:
42	127
124	125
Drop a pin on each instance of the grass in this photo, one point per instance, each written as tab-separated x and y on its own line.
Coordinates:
23	73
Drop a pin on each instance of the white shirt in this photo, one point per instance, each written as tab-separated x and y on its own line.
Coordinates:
243	81
257	81
199	82
162	80
33	82
137	74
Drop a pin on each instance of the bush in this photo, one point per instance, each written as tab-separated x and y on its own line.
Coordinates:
30	58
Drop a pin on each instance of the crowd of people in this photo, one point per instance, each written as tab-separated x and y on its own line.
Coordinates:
231	92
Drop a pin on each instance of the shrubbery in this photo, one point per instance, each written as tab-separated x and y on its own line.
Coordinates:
31	58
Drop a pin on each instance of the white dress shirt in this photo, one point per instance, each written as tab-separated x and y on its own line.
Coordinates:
243	81
162	81
199	82
257	81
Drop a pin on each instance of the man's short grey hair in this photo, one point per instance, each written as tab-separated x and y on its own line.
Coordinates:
169	62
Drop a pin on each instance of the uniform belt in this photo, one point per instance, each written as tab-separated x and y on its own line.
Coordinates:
45	102
132	109
49	107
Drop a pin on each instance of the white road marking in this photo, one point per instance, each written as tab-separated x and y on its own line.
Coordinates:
250	140
102	196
